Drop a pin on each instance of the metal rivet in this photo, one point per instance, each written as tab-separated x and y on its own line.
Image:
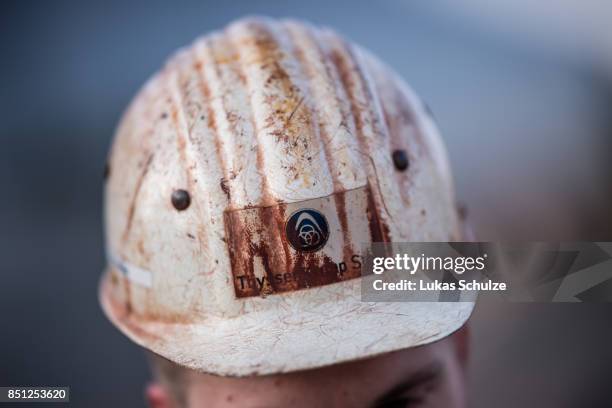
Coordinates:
400	160
181	199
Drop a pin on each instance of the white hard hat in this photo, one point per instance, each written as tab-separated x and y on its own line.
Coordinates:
242	183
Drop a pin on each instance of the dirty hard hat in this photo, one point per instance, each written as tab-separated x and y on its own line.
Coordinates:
242	183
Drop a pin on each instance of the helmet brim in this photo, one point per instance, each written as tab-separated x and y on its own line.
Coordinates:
290	338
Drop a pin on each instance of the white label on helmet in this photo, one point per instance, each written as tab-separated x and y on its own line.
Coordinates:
134	273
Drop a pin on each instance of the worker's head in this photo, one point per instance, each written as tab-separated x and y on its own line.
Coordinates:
244	183
426	376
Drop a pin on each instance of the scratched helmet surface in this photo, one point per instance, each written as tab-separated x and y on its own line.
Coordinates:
244	179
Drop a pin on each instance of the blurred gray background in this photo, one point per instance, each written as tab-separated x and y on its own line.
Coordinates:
522	94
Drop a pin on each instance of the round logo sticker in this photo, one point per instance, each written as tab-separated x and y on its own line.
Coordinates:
307	230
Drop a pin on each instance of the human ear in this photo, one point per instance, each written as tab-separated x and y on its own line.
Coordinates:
461	341
157	396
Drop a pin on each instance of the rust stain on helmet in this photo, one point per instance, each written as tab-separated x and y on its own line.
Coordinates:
266	258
